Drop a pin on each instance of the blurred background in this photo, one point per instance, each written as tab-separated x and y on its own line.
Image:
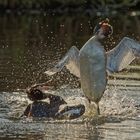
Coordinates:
35	34
67	6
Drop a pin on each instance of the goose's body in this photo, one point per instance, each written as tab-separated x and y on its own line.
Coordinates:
93	69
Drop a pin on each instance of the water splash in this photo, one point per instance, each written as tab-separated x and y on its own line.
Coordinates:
117	103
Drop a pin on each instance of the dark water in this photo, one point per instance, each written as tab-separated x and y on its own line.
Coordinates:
29	44
32	43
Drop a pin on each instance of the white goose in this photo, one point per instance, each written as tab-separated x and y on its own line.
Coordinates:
91	62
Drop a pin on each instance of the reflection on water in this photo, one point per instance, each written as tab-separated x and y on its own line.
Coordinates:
32	43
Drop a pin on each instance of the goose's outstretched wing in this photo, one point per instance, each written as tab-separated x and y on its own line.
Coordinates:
70	60
122	55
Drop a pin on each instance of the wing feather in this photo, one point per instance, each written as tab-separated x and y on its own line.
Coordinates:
70	60
122	55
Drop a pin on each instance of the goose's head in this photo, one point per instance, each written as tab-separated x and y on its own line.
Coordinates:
103	29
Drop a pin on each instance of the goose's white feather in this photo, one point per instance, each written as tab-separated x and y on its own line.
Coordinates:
122	55
70	60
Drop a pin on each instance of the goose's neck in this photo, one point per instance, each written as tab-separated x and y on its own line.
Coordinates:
97	41
96	38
